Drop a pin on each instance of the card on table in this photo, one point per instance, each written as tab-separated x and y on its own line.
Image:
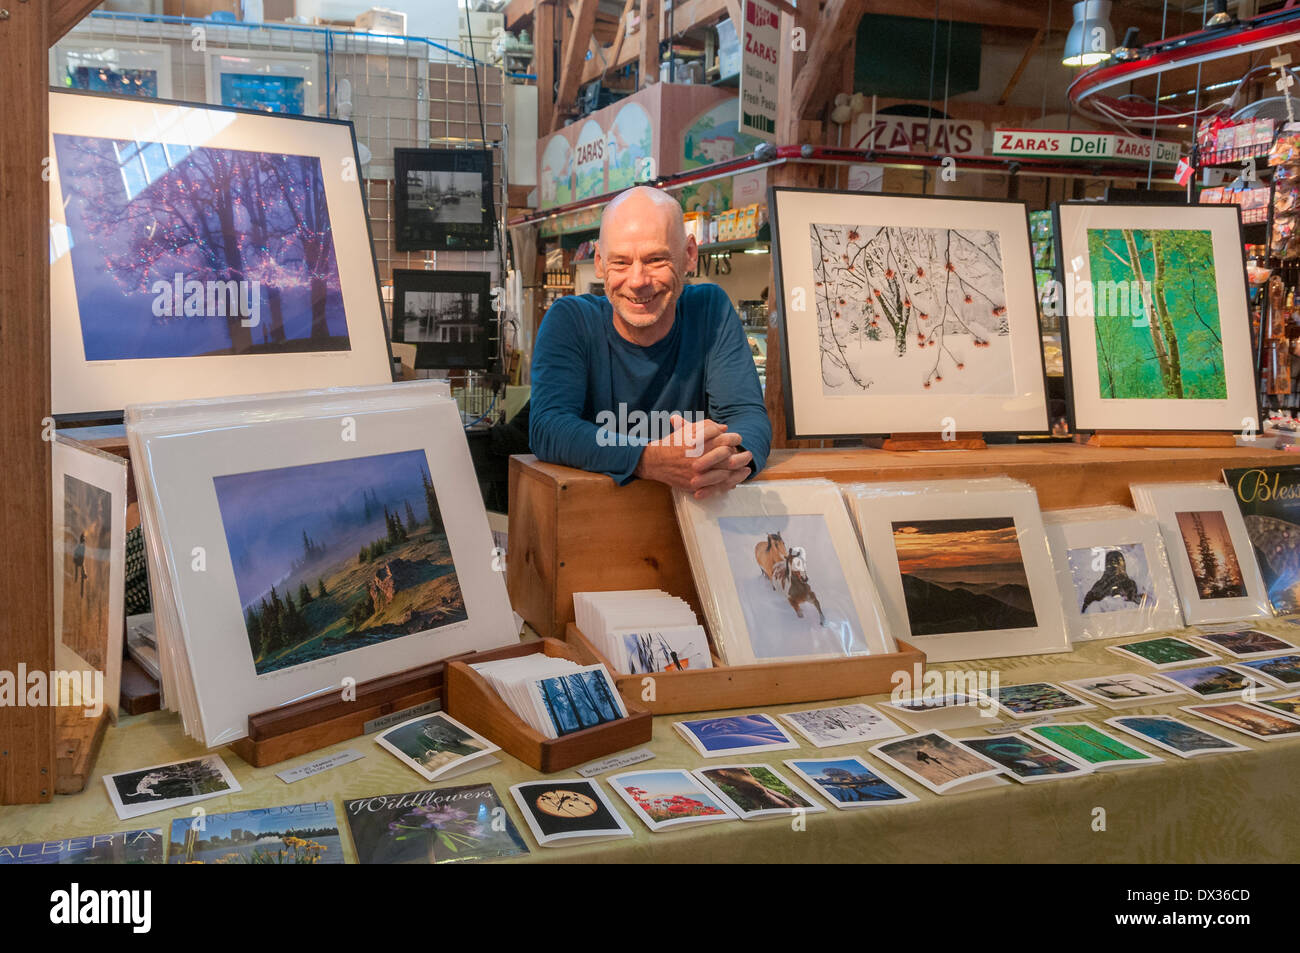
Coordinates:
118	847
754	791
940	763
734	734
1283	670
668	798
1088	744
437	746
1124	690
1037	698
1174	735
848	782
1024	760
1245	643
1247	719
568	811
842	725
1164	652
1215	681
944	712
438	826
1287	705
169	785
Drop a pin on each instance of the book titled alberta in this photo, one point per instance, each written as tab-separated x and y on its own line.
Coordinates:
440	826
120	847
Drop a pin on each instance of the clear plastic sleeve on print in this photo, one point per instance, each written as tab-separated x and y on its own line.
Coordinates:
310	542
1210	552
1113	572
963	566
780	575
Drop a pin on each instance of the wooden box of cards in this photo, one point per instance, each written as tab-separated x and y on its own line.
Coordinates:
748	686
469	699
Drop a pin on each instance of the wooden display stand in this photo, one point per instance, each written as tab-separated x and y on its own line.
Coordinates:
972	440
291	730
1161	438
474	703
752	686
573	531
77	741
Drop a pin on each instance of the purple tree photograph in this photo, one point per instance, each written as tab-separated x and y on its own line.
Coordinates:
179	251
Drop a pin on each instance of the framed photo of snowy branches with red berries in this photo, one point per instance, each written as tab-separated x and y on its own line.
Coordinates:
200	251
906	313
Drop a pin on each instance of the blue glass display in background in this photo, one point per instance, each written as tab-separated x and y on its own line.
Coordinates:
271	94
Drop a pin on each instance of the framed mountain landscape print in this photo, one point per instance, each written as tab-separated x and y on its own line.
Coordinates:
341	535
1157	327
906	314
197	251
963	573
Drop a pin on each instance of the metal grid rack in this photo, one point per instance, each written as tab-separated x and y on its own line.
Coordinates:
398	92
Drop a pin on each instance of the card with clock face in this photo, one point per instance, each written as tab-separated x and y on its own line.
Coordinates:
567	812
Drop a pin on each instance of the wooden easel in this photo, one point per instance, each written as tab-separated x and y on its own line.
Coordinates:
1161	438
962	440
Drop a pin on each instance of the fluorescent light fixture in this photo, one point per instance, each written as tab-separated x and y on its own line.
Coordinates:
1091	38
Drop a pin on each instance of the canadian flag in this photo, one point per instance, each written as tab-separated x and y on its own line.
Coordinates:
1183	171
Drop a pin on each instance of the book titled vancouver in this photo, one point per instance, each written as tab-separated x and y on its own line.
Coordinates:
1269	500
441	826
287	834
120	847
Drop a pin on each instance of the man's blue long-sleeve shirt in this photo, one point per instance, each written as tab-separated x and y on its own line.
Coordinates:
582	368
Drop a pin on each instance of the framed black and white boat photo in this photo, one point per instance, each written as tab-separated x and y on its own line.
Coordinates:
443	200
447	315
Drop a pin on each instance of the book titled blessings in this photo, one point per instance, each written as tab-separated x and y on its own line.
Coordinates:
440	826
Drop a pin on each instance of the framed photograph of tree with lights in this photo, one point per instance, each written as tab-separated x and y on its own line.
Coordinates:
906	314
1157	323
199	251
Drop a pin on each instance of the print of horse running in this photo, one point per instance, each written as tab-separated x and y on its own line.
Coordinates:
787	572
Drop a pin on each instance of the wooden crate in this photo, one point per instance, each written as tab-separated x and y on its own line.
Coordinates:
472	701
573	531
752	686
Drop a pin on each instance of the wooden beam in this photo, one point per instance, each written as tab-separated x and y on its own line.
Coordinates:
619	37
649	42
519	14
574	54
27	767
544	61
1030	50
65	14
814	87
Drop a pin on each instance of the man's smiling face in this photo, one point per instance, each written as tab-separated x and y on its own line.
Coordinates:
643	257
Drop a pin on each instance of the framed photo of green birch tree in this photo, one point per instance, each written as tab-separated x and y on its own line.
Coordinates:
1157	329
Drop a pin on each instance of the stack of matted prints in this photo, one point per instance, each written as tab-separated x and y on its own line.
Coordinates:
298	539
1113	572
963	566
643	630
780	574
1209	549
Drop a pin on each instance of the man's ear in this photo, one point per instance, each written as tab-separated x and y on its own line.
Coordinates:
600	264
692	254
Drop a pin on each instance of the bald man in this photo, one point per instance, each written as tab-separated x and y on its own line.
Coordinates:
656	378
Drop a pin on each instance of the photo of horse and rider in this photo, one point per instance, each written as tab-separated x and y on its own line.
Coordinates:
788	578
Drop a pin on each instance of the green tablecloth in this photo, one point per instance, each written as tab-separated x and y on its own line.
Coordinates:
1241	807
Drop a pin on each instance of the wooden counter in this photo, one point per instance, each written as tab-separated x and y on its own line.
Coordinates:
572	531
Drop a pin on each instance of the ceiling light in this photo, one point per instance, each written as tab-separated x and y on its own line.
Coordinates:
1091	38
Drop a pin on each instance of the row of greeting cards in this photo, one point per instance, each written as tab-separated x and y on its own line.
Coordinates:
796	570
469	823
921	313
